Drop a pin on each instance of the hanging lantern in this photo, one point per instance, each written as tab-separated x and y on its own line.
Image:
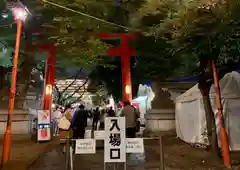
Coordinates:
48	89
127	89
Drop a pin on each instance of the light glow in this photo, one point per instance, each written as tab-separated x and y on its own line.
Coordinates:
127	89
49	89
4	15
20	14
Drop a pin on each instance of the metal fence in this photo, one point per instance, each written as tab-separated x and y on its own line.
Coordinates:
71	163
32	126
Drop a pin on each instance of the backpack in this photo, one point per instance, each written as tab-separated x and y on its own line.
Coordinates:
137	121
64	123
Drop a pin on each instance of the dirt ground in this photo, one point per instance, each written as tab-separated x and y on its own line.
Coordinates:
23	151
180	155
177	156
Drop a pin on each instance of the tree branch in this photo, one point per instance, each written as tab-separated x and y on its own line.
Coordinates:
75	78
57	89
76	90
79	96
58	93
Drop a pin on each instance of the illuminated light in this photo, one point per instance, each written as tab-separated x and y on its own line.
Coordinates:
49	89
20	14
148	84
4	15
127	89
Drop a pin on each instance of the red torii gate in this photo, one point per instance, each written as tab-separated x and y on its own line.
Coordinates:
50	72
125	52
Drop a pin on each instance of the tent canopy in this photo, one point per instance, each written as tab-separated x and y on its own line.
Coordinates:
190	113
229	86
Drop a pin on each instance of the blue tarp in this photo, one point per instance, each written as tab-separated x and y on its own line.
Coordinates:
191	79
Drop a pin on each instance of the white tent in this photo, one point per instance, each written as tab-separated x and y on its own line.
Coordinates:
190	114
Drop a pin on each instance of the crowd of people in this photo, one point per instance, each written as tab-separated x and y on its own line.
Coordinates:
72	122
97	115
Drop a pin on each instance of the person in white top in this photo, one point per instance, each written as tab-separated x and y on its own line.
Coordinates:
57	115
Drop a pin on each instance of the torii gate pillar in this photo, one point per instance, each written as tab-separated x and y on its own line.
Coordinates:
125	53
50	72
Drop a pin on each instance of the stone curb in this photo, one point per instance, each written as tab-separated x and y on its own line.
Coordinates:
147	133
26	164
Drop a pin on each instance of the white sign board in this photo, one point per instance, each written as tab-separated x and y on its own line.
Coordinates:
115	140
99	135
85	146
134	145
43	132
43	117
88	134
43	127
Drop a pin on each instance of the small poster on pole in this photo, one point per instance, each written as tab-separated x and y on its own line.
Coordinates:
85	146
43	117
134	145
44	131
88	134
99	135
115	140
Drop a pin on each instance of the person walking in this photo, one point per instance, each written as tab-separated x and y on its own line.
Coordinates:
104	114
111	112
131	117
65	133
55	119
96	116
79	123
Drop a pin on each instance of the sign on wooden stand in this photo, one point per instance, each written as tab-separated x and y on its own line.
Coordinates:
116	145
85	146
99	135
134	145
43	129
115	140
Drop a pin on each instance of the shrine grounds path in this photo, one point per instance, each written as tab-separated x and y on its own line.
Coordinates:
24	151
178	156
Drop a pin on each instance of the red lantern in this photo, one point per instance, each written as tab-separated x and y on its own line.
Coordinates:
48	89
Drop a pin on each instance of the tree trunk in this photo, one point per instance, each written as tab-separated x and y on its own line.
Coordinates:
204	86
23	82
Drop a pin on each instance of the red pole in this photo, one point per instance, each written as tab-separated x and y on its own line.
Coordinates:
126	72
7	135
49	75
223	133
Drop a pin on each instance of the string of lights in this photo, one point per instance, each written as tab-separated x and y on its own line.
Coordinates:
116	4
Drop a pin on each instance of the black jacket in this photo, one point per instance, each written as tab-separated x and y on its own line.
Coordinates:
80	119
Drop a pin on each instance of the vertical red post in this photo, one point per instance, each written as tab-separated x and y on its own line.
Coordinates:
7	135
49	75
125	53
222	133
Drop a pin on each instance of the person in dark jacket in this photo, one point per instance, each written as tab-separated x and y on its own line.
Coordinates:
79	123
111	112
96	117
